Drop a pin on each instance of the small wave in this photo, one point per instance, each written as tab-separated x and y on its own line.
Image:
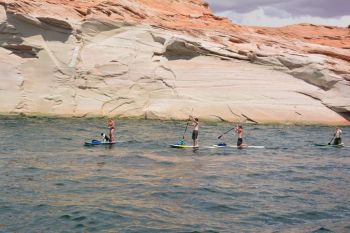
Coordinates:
321	230
309	215
66	217
205	231
32	168
78	219
221	208
66	139
211	190
167	194
78	226
167	163
59	184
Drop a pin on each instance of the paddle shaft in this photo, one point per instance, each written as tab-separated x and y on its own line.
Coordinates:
188	121
331	140
226	132
183	137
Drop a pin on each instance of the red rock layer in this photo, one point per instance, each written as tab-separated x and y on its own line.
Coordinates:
180	15
191	16
324	35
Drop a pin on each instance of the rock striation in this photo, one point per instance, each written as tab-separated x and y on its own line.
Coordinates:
166	59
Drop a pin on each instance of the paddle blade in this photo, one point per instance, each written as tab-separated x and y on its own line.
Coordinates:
220	137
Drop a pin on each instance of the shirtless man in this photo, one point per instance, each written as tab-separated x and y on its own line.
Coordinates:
111	128
239	131
195	125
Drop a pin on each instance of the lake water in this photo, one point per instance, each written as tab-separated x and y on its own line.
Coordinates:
50	182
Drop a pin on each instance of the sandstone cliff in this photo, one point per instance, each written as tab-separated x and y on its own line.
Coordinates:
166	59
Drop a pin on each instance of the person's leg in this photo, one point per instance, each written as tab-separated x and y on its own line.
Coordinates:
112	135
239	142
196	142
194	138
337	141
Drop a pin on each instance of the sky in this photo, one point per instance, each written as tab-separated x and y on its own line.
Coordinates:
275	13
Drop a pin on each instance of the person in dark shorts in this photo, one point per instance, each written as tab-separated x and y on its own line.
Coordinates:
195	132
239	131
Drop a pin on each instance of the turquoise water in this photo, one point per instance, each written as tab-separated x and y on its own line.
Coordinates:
50	182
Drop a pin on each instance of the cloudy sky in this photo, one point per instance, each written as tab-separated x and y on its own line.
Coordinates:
284	12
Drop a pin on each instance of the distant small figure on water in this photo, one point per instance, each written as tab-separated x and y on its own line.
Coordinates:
195	132
337	136
111	128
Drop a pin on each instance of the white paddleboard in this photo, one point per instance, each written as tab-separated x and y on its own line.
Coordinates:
234	146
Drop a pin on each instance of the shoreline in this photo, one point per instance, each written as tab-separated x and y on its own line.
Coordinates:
204	120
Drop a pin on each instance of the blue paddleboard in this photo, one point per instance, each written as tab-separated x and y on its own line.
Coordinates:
97	143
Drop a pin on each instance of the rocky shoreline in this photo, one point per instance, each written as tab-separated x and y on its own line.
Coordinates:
202	120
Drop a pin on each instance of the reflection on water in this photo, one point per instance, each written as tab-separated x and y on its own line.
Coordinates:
50	182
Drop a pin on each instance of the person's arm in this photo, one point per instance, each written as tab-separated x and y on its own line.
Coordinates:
193	120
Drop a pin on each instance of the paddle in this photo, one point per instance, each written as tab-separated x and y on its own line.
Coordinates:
331	140
182	142
183	137
226	133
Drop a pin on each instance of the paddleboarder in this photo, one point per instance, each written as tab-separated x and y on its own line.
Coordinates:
337	136
240	132
111	129
195	125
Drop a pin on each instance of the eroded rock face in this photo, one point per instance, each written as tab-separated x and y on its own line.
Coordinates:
167	59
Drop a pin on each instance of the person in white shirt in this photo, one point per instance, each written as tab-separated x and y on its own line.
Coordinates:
337	136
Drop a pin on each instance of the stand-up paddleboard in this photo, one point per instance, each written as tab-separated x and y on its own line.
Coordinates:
223	145
179	146
330	146
97	143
